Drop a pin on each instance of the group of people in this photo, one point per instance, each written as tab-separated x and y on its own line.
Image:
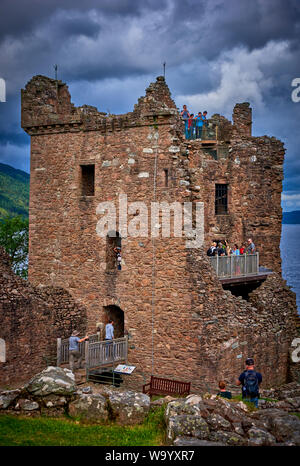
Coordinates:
193	124
250	381
222	248
249	378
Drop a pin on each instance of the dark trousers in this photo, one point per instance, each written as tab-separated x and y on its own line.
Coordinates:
198	132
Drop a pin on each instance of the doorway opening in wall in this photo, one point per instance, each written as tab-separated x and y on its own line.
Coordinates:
87	180
116	314
113	251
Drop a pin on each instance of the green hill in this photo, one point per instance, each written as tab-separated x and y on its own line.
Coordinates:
14	191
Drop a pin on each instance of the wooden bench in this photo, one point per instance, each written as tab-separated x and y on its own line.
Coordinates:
160	386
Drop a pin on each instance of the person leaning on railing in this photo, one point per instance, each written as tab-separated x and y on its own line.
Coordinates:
74	353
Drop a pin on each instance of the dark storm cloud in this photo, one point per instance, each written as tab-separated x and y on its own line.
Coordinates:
217	52
21	19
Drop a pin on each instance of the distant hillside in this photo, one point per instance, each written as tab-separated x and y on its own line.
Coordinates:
291	217
14	191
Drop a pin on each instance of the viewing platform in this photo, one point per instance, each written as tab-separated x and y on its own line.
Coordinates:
239	269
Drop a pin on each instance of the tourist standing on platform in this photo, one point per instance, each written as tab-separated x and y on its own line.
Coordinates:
191	127
236	251
74	353
251	247
199	125
109	336
185	115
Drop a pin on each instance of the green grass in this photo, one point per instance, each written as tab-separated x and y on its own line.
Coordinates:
42	431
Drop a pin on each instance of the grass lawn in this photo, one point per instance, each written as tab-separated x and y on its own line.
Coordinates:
42	431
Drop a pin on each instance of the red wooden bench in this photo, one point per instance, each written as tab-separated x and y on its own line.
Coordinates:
160	386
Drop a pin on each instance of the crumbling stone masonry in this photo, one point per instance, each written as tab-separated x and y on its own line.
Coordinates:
180	321
31	319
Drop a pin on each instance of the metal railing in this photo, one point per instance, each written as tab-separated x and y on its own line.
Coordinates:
107	352
207	132
63	348
235	266
95	352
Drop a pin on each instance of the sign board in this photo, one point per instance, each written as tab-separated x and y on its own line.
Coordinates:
124	369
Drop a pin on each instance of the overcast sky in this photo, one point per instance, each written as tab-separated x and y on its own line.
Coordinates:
217	53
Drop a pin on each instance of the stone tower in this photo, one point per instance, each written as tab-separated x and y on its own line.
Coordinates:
180	321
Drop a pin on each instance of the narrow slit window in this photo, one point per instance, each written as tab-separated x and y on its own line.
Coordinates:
221	199
166	172
87	180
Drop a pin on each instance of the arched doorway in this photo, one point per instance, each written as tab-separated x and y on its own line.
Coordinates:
117	315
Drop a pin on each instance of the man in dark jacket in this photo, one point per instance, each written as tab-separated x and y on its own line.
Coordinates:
250	381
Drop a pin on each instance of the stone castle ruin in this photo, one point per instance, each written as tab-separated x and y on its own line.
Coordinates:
182	319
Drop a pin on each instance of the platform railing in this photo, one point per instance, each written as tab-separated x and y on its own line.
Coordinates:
63	348
208	131
95	352
235	266
107	352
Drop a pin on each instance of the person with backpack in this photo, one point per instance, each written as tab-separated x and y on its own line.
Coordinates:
250	381
212	251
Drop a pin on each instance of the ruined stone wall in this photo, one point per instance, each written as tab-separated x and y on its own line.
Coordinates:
30	322
180	321
231	329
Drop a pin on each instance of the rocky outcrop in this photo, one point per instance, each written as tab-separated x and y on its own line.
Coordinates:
53	392
89	407
195	420
214	420
128	407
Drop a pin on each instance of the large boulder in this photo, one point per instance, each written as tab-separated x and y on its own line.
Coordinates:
187	425
289	390
89	407
128	407
53	380
260	437
8	397
229	438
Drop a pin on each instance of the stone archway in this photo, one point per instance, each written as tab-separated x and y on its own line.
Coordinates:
117	315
